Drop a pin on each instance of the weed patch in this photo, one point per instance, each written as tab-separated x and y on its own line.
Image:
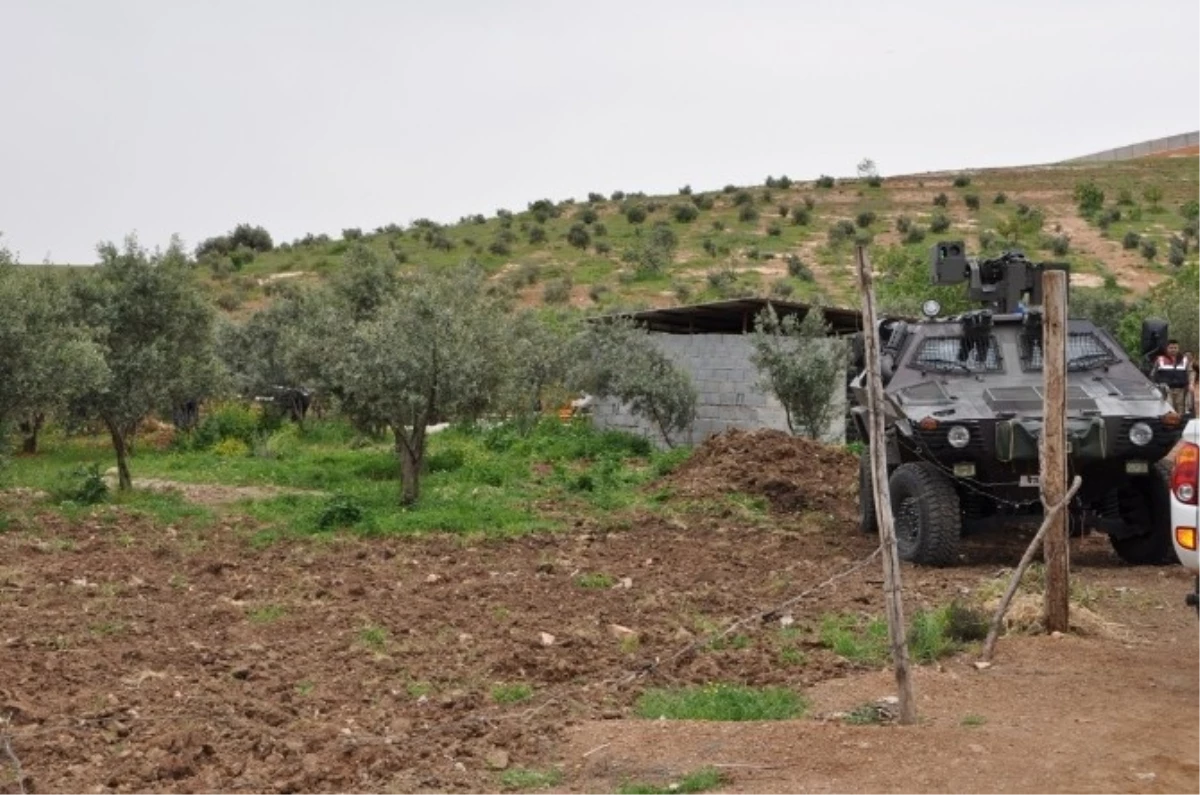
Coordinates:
702	780
721	702
511	693
526	779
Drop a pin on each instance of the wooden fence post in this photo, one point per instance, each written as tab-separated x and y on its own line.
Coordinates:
883	501
1053	477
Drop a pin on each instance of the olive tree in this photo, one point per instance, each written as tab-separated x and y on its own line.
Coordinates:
801	366
538	360
45	359
617	359
153	329
435	352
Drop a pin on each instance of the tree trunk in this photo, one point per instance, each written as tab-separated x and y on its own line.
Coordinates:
30	429
410	456
124	481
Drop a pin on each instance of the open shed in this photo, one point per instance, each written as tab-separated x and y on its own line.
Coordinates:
709	341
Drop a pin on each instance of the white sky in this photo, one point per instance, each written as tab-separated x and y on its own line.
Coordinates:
170	116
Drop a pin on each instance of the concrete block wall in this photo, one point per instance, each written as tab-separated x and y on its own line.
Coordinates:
727	385
1142	149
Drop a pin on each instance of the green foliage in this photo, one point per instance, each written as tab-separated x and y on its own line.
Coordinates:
684	213
801	366
527	780
365	282
856	639
941	200
340	511
635	214
702	201
902	283
511	693
797	269
962	181
723	702
619	360
537	234
1131	240
1000	198
915	234
578	236
1058	244
1089	198
1153	194
702	780
81	485
353	233
595	579
1149	249
801	216
557	291
782	288
825	181
747	213
231	448
865	219
841	232
939	223
972	201
774	230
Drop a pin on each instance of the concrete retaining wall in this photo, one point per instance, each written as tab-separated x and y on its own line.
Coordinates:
729	397
1142	149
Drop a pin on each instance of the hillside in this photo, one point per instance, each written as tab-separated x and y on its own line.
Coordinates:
782	238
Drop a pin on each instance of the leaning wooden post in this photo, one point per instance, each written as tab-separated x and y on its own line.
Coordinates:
1053	448
883	497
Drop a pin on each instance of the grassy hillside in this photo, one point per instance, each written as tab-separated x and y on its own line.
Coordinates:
781	238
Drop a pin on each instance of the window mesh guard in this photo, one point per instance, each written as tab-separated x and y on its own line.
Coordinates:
1084	350
953	354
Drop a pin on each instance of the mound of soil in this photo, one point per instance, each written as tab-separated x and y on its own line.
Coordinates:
794	474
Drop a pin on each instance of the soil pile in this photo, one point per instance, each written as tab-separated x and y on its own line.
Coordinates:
794	474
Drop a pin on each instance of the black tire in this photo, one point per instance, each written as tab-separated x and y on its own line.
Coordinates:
1146	508
867	523
927	514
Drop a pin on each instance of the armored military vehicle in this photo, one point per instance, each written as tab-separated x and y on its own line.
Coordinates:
963	415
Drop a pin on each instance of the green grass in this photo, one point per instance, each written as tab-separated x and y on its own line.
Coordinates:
702	780
859	640
266	614
973	721
495	482
373	637
932	634
511	693
527	779
721	702
595	580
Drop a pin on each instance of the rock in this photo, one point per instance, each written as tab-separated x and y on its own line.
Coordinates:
682	635
464	638
621	633
433	578
497	759
982	665
976	748
546	638
1145	776
1056	634
786	621
626	582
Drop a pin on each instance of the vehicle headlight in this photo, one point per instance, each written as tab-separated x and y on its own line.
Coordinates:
1140	434
958	436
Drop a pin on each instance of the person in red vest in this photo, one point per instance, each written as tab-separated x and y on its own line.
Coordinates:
1171	371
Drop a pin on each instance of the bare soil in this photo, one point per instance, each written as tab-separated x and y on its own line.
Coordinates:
135	657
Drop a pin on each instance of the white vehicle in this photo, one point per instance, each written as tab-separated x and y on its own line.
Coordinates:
1184	509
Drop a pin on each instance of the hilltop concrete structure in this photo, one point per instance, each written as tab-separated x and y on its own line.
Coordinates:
710	343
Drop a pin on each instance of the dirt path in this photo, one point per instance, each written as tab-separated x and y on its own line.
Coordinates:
1130	270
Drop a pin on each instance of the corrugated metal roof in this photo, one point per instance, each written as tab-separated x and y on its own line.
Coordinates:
735	316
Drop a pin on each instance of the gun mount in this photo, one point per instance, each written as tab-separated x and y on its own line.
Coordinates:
1003	284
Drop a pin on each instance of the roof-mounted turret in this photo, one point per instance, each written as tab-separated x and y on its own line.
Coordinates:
1003	284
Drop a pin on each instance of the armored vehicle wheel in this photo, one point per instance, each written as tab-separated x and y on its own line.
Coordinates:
867	523
926	510
1146	508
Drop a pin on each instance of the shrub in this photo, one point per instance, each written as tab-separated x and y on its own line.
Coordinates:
1089	197
782	210
840	232
718	225
797	269
588	215
987	239
82	486
1191	228
635	214
537	234
774	230
721	278
602	247
962	181
702	201
941	200
782	288
557	291
915	234
1108	217
729	189
999	198
1058	244
653	206
340	511
232	448
499	248
599	229
1149	249
903	223
939	223
1131	240
353	233
972	201
1176	255
682	290
743	197
723	702
1153	195
767	197
1125	197
865	219
595	198
597	292
618	195
686	190
578	236
747	213
684	213
809	203
527	273
232	420
801	216
825	181
784	182
874	181
1190	210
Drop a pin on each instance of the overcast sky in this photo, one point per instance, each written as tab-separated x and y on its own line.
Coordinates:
303	116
